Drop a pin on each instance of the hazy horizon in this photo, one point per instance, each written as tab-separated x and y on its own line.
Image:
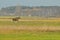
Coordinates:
6	3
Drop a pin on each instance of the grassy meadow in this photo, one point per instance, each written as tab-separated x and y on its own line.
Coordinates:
24	35
14	34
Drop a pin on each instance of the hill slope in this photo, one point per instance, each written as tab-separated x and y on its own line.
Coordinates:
42	11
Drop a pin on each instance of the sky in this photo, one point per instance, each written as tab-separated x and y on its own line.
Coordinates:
6	3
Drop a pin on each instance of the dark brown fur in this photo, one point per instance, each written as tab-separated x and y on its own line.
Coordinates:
16	19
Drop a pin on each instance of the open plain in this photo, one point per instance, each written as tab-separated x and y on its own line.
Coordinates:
30	29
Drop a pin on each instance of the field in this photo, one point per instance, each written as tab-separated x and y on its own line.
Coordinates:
30	29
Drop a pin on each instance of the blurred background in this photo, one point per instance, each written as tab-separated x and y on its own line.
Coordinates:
39	8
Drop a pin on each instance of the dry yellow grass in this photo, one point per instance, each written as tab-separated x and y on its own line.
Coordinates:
30	28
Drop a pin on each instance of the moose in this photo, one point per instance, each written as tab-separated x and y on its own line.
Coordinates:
16	19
